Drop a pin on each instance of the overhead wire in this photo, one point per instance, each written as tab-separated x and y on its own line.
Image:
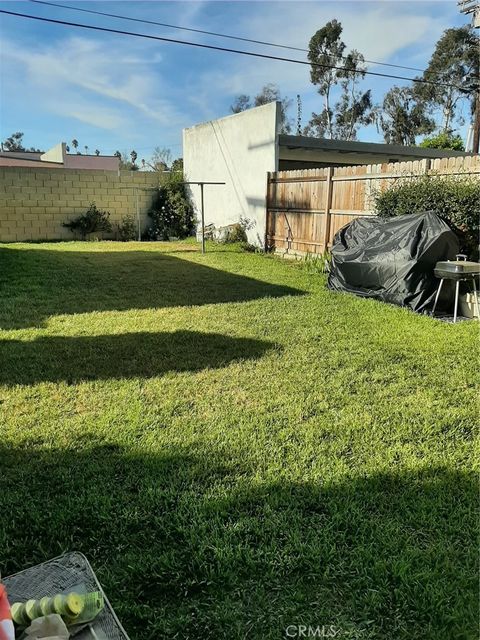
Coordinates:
222	49
209	33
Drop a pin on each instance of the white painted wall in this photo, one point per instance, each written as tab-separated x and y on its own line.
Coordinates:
237	150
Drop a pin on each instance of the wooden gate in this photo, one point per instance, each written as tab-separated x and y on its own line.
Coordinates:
306	208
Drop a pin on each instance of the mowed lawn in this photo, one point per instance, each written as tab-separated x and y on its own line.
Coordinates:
234	447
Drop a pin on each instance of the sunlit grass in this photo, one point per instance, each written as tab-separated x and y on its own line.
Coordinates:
235	448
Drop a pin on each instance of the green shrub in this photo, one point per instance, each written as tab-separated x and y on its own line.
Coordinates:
93	220
127	228
443	141
456	199
171	212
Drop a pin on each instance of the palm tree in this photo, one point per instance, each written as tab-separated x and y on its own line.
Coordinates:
97	152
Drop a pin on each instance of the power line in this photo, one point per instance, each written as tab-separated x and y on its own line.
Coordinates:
209	33
223	49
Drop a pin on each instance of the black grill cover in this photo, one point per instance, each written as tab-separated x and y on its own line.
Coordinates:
392	259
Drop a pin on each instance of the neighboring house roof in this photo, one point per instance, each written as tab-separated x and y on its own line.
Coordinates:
348	146
58	158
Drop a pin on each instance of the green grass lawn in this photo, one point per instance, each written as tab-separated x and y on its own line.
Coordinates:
235	448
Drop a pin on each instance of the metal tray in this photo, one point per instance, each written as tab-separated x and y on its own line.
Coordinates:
58	575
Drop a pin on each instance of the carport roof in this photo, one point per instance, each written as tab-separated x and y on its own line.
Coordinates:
348	146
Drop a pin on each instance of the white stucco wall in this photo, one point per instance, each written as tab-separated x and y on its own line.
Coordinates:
237	150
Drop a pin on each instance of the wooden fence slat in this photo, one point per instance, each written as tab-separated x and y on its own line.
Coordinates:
305	208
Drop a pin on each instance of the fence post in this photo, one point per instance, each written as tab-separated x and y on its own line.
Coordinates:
267	213
328	206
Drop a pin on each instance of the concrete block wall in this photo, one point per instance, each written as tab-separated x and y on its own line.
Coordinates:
34	202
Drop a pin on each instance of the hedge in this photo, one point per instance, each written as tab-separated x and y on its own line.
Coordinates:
456	199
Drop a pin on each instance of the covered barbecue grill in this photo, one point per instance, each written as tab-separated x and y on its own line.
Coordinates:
393	260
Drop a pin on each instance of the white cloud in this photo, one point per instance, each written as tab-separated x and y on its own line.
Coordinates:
97	69
142	92
102	118
381	31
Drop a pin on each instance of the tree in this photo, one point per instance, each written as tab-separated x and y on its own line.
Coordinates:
241	103
125	162
443	141
269	93
454	60
97	152
326	50
75	145
403	117
15	143
177	165
86	149
133	156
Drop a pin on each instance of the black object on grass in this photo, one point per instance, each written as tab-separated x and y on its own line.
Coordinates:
393	259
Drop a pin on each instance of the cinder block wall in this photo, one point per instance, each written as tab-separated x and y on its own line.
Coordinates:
34	202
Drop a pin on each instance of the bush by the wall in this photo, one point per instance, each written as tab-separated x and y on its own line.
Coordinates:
127	228
92	221
456	199
171	212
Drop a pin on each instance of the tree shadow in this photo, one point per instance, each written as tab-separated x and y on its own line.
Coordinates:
36	283
190	544
128	355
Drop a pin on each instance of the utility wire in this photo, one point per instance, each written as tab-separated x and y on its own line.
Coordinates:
224	49
208	33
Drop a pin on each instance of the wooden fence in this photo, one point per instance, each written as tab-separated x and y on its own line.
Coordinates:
305	208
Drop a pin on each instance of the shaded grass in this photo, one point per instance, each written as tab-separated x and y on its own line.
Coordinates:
292	457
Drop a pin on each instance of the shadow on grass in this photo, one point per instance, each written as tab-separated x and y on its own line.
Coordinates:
36	283
130	355
189	545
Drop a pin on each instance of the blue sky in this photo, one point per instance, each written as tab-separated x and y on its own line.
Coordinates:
116	92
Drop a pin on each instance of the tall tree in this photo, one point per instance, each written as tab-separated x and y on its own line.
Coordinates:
75	144
15	143
404	117
354	108
133	156
269	93
455	60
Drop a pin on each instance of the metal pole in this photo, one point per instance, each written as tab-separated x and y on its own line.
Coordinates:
203	219
475	299
437	296
476	124
138	215
457	287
